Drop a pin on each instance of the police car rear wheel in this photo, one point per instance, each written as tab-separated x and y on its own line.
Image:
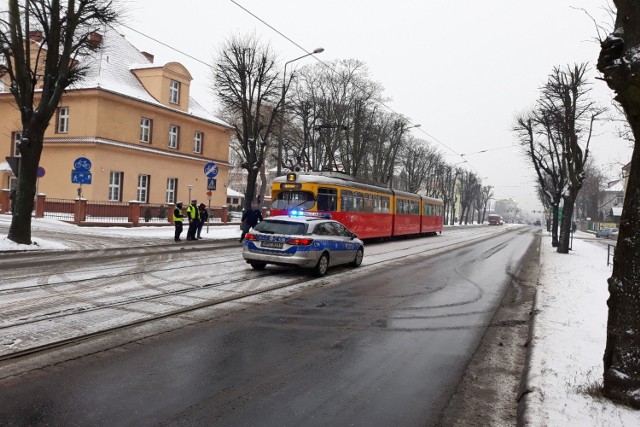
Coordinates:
322	265
358	259
258	265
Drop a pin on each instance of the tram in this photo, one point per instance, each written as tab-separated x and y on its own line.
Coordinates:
369	210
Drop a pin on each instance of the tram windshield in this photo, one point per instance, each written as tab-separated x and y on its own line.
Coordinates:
293	200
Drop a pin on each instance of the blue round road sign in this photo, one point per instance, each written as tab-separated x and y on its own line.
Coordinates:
82	164
211	170
40	171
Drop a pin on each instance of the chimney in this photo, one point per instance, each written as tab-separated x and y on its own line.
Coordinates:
95	40
148	56
36	36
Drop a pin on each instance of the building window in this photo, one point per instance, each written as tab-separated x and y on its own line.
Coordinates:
15	137
63	120
174	92
115	186
172	188
197	142
143	188
145	130
174	135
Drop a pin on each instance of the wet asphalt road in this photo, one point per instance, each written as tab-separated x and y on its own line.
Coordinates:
388	349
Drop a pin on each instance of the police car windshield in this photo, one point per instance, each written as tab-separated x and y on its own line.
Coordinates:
281	227
293	199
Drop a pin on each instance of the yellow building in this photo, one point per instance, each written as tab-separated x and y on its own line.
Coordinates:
146	138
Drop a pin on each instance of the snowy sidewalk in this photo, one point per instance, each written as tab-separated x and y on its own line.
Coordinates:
569	336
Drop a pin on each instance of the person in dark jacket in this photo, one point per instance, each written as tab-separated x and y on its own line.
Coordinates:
193	214
250	218
204	216
178	217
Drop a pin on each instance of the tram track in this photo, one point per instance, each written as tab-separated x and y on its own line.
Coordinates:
246	280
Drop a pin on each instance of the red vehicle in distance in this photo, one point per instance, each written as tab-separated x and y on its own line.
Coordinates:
495	220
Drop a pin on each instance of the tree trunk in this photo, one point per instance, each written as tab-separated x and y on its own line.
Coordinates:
622	353
250	193
20	228
565	225
621	70
555	213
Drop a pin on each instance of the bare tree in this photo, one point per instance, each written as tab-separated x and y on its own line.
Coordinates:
539	139
246	83
565	99
620	66
469	190
482	201
42	44
417	159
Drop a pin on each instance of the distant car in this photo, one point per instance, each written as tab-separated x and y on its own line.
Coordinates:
537	223
315	242
606	232
613	235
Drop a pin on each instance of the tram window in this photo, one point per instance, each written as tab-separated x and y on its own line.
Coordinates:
385	206
414	207
368	203
293	200
327	199
346	201
358	202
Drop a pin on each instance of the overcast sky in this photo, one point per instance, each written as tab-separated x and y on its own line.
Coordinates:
462	69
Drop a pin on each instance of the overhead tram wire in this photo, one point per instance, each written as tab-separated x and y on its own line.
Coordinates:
389	108
334	70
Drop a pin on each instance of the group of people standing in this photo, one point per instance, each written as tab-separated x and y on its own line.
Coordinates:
197	216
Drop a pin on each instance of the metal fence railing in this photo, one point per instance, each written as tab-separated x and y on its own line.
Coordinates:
107	212
153	213
61	209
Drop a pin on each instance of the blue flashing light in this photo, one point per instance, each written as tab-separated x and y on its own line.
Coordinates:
300	212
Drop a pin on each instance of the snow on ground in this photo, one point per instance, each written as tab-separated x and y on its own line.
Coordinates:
148	232
569	339
569	332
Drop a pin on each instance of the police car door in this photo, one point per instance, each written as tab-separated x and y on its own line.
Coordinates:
342	242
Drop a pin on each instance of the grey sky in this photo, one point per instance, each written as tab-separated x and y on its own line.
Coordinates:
461	69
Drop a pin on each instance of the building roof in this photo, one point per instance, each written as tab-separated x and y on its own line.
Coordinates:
233	193
615	186
110	69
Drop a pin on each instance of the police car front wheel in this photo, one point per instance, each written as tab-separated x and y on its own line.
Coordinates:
358	259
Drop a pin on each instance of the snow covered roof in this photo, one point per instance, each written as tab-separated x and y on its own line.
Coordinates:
233	193
110	70
617	185
616	211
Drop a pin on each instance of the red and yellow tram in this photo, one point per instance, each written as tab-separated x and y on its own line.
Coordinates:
369	210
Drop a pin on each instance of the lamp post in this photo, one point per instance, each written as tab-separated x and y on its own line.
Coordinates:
284	92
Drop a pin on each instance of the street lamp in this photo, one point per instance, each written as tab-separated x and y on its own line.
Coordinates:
284	92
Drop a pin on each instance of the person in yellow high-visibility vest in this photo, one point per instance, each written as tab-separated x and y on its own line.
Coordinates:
194	219
178	217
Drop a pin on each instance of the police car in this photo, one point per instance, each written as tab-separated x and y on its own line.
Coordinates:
302	240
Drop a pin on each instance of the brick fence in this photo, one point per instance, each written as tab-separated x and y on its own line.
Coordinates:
84	212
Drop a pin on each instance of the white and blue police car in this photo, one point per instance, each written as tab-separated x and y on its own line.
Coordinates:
302	240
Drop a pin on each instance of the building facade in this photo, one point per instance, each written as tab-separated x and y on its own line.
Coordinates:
145	137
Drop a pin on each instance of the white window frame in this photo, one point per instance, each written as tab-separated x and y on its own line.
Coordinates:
172	188
115	186
174	136
63	120
16	136
197	142
174	92
142	194
145	129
